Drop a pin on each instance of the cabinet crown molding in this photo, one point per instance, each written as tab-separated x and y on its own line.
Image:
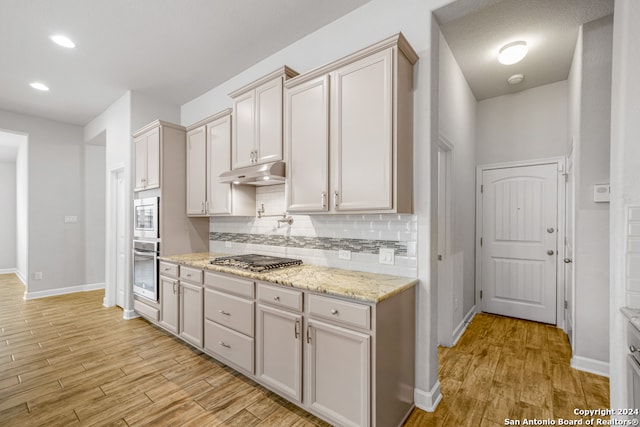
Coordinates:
283	71
397	40
156	124
207	120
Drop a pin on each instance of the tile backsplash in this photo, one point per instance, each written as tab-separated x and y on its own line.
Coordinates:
316	239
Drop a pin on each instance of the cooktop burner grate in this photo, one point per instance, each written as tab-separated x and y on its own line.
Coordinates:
255	262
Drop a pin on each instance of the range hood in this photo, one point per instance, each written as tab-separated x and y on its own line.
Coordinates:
264	174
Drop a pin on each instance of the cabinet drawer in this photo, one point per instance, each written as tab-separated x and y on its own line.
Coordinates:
233	312
280	297
192	275
232	285
228	344
146	311
169	269
347	313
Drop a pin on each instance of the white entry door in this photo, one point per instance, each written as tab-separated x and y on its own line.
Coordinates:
519	242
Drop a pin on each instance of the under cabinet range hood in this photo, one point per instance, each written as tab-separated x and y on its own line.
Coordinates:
265	174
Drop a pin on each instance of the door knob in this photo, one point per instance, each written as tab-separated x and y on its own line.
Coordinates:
550	252
568	260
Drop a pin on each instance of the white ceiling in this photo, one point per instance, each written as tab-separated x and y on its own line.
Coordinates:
550	28
172	50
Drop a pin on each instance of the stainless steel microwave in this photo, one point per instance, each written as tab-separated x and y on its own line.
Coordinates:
145	218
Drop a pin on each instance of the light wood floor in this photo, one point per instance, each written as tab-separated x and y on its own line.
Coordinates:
68	361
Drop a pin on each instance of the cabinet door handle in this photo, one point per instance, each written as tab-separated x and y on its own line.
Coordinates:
336	196
174	288
202	208
308	334
224	313
334	311
206	207
224	344
276	298
324	199
296	329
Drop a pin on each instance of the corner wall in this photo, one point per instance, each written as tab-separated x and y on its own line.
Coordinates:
8	243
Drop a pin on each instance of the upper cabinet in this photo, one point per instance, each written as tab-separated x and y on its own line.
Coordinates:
349	133
147	148
257	124
209	155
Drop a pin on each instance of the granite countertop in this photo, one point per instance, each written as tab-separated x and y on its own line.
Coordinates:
633	314
357	285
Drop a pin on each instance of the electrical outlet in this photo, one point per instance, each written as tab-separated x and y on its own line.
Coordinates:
228	244
37	275
71	219
342	254
386	256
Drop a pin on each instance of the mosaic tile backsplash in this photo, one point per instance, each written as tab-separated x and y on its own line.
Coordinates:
316	239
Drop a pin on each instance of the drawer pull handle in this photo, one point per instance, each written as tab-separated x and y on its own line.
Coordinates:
224	344
334	311
276	298
296	329
224	313
633	348
188	275
167	269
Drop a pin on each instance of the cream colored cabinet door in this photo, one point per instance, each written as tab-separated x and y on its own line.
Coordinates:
268	121
338	373
218	161
191	313
361	136
169	303
147	149
243	144
307	146
279	351
196	172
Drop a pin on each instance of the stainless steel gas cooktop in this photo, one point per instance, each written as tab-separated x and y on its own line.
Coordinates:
255	262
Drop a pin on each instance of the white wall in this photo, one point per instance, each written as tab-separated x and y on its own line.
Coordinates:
8	216
457	124
625	181
22	210
55	164
526	125
364	26
591	262
94	212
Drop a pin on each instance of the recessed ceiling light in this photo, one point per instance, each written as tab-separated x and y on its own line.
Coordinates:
515	79
39	86
513	52
63	41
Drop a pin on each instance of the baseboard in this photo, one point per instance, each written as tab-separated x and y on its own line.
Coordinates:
428	400
22	278
594	366
457	333
63	291
8	271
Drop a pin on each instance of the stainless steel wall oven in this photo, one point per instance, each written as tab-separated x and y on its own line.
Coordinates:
145	269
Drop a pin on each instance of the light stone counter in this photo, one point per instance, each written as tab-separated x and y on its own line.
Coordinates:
357	285
633	314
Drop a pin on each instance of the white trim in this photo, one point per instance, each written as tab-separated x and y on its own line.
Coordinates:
459	330
63	291
594	366
561	163
8	271
22	278
428	400
129	314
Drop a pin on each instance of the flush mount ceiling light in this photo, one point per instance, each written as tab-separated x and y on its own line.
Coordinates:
512	52
515	79
39	86
63	41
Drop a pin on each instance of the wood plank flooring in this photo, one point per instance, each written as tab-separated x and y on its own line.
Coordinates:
67	361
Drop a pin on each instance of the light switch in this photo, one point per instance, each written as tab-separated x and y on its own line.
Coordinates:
601	193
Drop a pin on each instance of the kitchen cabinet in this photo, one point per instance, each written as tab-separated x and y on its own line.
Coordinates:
257	124
364	122
169	303
191	313
279	342
209	155
229	320
147	149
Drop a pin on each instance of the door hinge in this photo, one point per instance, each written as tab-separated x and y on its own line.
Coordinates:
480	294
566	304
481	188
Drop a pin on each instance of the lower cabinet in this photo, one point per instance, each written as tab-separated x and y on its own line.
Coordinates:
169	303
279	350
191	301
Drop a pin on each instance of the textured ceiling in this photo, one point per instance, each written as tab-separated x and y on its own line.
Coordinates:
172	50
550	28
